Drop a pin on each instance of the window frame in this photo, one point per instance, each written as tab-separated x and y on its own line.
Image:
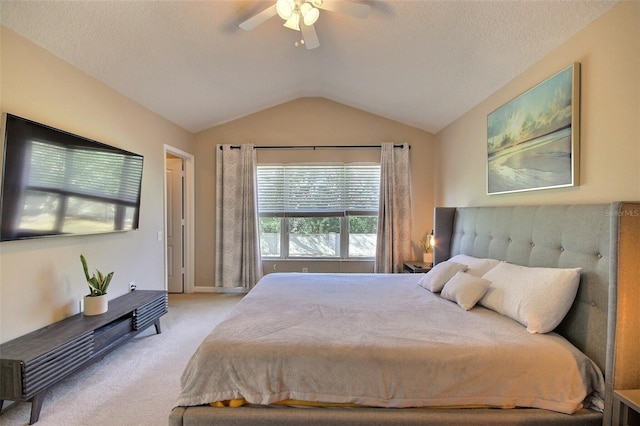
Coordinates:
343	217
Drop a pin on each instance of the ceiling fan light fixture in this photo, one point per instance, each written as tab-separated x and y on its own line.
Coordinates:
293	22
301	15
285	8
309	13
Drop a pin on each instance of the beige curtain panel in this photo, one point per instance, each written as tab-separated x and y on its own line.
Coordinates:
394	216
237	237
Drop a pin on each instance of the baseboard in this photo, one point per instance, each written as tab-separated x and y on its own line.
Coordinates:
232	290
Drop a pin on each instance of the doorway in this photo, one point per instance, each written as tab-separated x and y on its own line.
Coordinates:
178	221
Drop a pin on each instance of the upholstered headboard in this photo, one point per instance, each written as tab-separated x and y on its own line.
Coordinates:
586	236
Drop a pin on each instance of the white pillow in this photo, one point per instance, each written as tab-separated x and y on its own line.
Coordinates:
465	289
538	298
476	266
436	278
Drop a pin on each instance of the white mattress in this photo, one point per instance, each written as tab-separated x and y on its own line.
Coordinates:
381	340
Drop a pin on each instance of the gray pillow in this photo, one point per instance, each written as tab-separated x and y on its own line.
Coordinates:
475	265
438	276
465	289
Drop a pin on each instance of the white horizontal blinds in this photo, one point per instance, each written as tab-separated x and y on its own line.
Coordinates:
313	190
270	190
318	190
362	189
85	172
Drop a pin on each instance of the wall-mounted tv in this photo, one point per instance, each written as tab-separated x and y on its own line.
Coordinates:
58	183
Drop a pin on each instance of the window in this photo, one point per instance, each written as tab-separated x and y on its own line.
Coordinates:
321	211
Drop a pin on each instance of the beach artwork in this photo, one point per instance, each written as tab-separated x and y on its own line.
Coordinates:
533	141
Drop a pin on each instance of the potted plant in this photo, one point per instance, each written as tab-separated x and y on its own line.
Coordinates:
96	302
427	251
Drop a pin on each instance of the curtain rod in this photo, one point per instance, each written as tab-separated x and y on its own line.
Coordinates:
314	147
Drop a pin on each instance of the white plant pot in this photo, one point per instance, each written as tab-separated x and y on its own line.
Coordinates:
427	257
96	305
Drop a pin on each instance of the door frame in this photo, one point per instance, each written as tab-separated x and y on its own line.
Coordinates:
189	217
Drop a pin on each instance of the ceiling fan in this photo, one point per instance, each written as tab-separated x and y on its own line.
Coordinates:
300	15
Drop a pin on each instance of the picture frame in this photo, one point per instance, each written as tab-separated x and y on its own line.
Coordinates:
533	141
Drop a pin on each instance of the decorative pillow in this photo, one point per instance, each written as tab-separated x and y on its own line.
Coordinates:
437	277
465	289
476	266
538	298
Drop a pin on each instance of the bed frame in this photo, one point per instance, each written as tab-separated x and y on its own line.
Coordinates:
603	239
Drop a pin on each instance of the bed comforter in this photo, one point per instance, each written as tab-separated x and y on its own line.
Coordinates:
381	340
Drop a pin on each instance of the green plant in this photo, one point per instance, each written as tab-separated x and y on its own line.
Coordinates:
426	247
99	283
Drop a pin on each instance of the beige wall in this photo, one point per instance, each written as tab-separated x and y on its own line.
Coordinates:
309	121
609	51
41	281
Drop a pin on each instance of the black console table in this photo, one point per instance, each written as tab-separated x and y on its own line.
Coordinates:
30	364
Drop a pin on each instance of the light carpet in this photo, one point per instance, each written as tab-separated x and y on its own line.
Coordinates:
138	383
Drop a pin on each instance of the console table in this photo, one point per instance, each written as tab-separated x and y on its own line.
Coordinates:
31	364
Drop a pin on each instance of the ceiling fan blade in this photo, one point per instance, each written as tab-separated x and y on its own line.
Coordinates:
309	36
357	10
258	18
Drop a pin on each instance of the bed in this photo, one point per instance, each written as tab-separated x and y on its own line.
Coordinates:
366	373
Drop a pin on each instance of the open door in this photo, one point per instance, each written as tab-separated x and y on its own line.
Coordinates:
179	221
175	224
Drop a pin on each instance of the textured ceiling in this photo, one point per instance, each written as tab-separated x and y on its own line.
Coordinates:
422	63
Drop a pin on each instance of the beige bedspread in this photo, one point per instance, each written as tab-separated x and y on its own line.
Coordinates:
381	340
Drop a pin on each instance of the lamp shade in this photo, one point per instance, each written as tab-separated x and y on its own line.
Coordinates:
293	22
309	14
285	8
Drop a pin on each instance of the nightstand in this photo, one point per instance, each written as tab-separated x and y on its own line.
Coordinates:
626	407
415	267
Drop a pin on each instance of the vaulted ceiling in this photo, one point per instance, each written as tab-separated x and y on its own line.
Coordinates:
422	63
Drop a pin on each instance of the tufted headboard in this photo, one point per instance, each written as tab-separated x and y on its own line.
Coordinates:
586	236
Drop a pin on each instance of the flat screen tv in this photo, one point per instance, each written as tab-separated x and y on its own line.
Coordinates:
57	183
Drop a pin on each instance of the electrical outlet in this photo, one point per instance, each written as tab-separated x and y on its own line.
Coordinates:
275	266
305	270
132	285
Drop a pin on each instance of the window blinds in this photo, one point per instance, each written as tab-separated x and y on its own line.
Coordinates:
318	190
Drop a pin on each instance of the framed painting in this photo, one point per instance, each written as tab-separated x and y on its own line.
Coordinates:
533	141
